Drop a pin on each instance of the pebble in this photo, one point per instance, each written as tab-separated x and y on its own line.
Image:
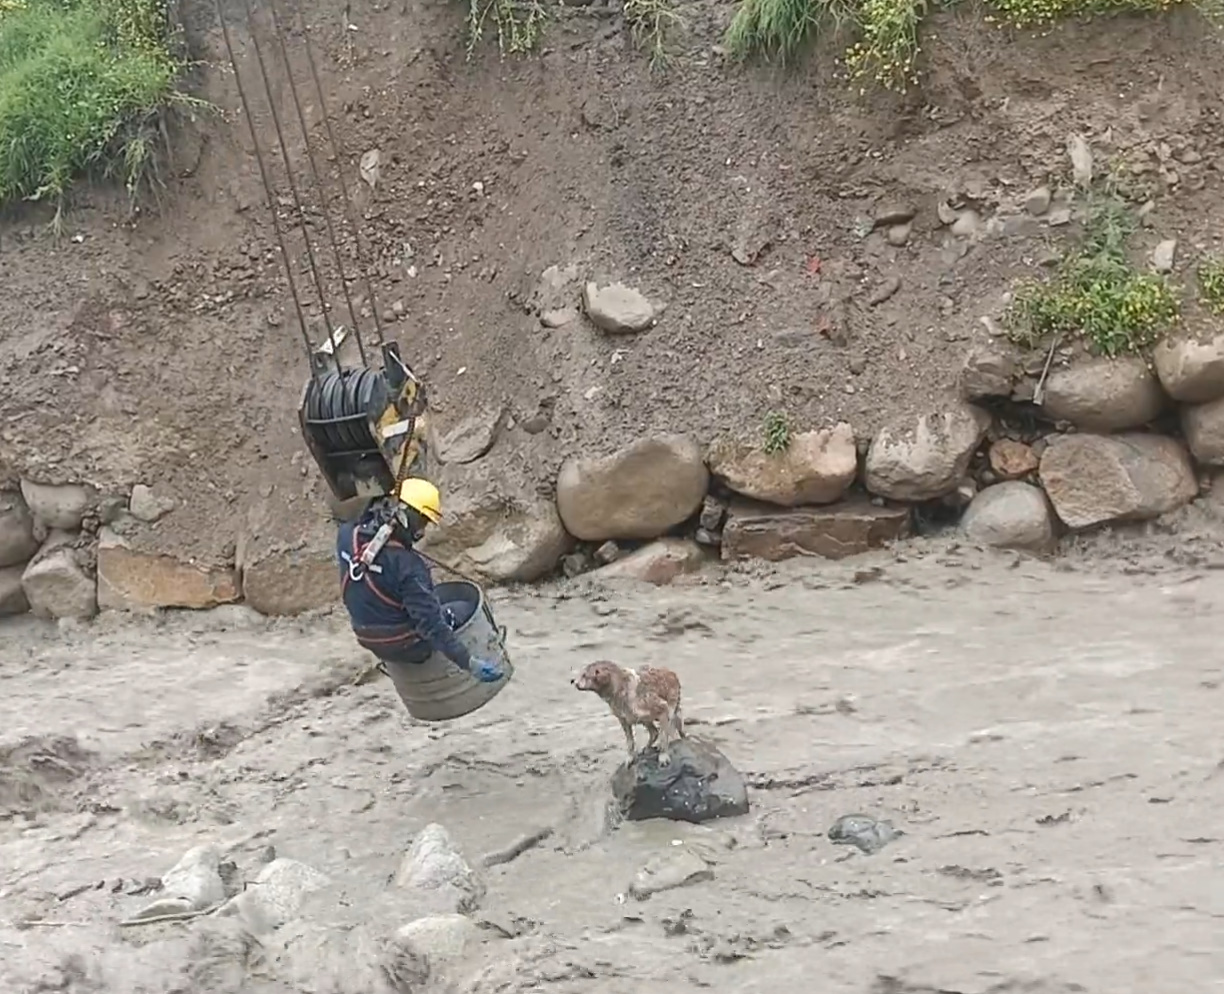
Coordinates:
865	833
898	234
1038	201
1164	255
966	224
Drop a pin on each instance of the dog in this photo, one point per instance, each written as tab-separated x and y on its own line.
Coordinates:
649	697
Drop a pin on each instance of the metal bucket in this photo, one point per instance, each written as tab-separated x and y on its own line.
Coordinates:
437	690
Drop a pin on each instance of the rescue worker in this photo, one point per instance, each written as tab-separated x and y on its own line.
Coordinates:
388	590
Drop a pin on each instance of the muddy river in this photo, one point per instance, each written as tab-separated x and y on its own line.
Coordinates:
1047	738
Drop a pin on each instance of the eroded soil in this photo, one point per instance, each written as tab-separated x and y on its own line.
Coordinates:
1046	738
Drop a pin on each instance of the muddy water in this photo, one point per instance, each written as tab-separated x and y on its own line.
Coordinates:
1048	740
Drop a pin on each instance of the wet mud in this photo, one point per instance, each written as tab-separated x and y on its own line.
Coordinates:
1045	741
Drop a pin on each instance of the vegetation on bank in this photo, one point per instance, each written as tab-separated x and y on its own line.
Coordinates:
83	84
1096	293
887	32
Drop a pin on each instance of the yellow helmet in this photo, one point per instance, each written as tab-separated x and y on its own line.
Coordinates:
423	497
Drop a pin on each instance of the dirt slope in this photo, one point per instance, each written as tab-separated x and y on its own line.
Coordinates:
164	351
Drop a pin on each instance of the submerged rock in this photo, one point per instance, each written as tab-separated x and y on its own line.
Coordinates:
669	871
699	784
435	868
865	833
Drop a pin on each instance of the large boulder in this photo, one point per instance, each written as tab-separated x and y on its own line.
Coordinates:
1191	369
59	507
498	538
131	578
1010	515
1203	426
1092	479
1103	394
699	784
438	873
12	594
638	492
921	458
289	581
658	563
17	541
56	586
815	468
757	531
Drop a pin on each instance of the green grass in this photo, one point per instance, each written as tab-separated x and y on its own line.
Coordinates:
82	87
776	433
1211	284
1096	294
517	25
888	32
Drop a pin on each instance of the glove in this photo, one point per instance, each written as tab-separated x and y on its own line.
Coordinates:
486	670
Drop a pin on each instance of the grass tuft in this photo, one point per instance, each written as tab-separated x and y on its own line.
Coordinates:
83	85
777	434
887	47
1096	294
1211	284
649	23
517	24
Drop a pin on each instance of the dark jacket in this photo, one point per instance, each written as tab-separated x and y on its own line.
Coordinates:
395	613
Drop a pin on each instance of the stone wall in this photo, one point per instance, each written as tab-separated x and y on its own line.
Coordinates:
1025	455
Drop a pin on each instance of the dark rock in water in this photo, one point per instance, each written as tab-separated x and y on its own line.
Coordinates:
864	832
699	785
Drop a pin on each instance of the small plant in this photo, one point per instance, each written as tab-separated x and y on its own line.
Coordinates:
1096	293
518	24
777	434
779	30
649	22
1211	284
83	87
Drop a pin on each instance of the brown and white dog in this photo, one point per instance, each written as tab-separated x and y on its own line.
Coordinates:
649	697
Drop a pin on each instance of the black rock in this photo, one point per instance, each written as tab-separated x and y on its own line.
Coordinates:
699	784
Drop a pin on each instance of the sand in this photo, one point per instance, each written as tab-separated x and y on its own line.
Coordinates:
1047	740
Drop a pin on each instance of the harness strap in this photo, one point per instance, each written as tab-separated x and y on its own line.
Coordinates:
353	559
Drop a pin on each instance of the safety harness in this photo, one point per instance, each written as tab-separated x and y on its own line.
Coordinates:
363	569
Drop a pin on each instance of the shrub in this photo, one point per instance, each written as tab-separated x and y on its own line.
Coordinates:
1096	293
82	83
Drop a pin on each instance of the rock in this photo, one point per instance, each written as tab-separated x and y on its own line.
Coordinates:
659	563
56	506
134	579
987	372
559	317
638	492
966	224
192	884
472	437
617	309
12	594
609	552
17	541
865	833
758	531
713	511
575	564
1010	515
1091	479
1203	426
555	290
1037	202
891	214
1190	369
898	234
500	539
1011	459
1164	255
147	506
435	867
1103	395
57	587
926	457
698	785
678	868
816	468
286	582
440	939
1080	153
277	896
